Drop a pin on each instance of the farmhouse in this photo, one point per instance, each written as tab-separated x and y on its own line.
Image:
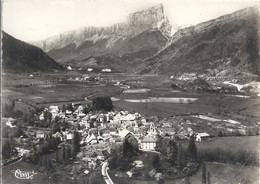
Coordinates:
148	143
153	131
41	117
201	136
40	134
167	131
106	70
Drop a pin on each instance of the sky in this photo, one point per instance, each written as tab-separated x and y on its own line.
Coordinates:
33	20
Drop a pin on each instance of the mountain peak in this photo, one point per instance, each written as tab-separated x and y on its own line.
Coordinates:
137	22
149	16
153	17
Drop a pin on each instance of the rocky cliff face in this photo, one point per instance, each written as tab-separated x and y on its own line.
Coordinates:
150	18
228	45
223	46
153	18
121	45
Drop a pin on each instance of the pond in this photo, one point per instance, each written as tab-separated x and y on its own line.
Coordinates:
136	91
162	99
216	119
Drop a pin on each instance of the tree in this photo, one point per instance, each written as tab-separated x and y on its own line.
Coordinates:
76	143
47	115
45	160
192	149
208	177
204	173
57	156
86	110
113	164
102	103
159	143
13	104
168	149
30	119
128	149
25	118
172	152
64	155
49	164
68	152
17	114
55	125
156	162
35	158
180	156
63	108
70	107
7	150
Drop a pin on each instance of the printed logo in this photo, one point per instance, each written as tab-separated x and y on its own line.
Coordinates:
23	174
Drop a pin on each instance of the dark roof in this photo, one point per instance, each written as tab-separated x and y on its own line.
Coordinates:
148	139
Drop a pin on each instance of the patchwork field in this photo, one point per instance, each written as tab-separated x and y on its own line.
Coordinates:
58	93
241	143
225	174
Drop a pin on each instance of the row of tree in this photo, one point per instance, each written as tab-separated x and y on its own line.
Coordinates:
123	156
173	155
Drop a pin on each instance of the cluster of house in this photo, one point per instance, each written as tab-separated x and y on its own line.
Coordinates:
115	127
209	77
101	131
108	70
84	78
185	76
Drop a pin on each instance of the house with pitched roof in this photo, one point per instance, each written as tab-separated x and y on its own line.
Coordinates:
148	143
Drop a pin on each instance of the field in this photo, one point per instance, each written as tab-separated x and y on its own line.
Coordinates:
155	86
59	93
162	109
225	174
220	174
244	110
241	143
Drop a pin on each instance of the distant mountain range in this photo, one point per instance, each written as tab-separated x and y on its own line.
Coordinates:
19	56
228	45
121	47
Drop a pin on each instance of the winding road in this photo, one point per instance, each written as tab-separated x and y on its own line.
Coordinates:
105	174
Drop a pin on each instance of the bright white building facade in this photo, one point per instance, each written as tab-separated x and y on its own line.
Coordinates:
148	143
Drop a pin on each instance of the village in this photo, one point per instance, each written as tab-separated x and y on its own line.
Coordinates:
100	131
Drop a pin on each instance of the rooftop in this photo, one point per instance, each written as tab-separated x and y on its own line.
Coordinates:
148	139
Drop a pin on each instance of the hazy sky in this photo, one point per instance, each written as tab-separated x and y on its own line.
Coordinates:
31	20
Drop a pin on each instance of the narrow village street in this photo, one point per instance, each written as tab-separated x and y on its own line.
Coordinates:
105	174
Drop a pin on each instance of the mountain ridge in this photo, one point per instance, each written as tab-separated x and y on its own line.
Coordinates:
225	45
19	56
144	44
136	23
